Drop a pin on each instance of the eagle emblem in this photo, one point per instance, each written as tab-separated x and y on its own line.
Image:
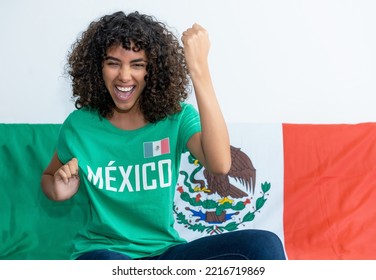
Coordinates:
217	203
242	170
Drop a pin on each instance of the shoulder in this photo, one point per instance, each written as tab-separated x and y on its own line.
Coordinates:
83	114
187	106
190	112
187	109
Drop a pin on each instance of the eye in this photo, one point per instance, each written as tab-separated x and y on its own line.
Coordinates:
139	65
112	63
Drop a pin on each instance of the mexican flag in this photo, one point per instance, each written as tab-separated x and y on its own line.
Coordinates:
314	185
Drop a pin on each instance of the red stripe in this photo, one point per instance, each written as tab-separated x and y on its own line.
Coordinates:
330	191
165	146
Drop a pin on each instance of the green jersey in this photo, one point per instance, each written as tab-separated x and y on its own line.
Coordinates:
130	178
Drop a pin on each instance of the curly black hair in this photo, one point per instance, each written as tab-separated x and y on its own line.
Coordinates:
167	79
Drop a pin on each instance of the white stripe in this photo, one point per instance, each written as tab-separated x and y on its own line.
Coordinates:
157	148
263	143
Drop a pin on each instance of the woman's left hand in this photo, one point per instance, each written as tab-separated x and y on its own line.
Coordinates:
196	48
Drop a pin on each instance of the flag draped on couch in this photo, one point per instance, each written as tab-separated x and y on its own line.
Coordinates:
313	185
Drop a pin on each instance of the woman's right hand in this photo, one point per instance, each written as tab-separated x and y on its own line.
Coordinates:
68	173
67	178
61	181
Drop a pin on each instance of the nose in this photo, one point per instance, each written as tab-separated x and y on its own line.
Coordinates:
125	74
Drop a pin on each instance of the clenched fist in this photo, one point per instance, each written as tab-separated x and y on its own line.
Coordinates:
196	48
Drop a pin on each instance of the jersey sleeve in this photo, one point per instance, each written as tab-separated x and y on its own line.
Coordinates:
65	140
190	124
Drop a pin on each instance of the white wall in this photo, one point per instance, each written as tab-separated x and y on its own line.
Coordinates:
309	61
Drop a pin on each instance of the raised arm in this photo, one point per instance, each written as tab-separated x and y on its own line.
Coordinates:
212	146
60	182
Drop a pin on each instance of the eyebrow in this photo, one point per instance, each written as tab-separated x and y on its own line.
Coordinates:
132	61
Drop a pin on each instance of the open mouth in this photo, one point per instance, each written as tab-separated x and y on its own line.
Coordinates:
124	93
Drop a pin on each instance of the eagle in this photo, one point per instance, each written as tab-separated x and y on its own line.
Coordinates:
241	170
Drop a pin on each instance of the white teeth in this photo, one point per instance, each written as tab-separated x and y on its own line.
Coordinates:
124	88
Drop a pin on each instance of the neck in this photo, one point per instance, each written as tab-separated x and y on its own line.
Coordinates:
128	120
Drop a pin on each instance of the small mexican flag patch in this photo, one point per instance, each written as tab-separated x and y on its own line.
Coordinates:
156	148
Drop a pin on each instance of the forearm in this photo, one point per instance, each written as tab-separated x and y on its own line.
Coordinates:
215	140
212	145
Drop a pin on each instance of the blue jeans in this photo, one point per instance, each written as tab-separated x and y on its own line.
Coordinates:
237	245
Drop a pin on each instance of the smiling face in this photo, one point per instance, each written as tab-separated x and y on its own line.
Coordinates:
124	74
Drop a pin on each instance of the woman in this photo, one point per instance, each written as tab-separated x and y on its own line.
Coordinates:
124	142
